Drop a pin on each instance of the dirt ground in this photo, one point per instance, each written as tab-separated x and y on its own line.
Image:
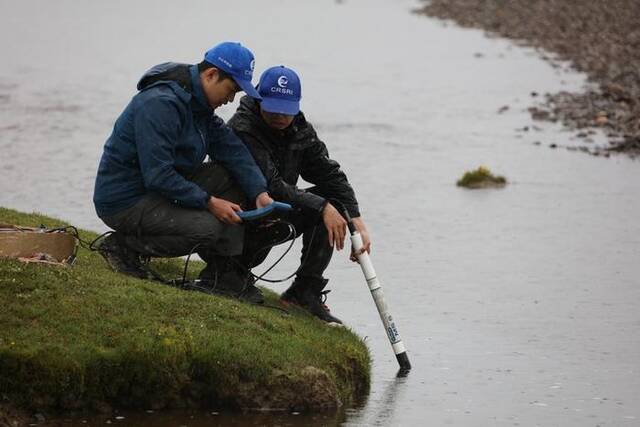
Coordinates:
601	39
11	417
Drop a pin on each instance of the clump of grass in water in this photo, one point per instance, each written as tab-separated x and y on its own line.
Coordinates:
85	337
481	178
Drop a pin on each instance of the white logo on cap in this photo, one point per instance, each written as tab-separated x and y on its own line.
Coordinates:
249	72
282	81
225	62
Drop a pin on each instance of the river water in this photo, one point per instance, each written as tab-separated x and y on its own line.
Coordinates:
517	306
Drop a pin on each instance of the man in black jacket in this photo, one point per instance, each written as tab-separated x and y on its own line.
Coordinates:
286	147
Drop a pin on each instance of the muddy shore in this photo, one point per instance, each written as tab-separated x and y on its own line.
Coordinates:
601	39
13	417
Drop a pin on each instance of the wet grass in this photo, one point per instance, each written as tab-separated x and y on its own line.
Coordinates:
481	178
84	337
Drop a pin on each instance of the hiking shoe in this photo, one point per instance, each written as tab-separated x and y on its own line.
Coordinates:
120	258
230	283
252	294
310	301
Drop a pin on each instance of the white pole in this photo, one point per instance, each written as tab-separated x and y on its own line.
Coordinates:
378	298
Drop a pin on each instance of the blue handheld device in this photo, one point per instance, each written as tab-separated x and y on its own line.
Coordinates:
254	214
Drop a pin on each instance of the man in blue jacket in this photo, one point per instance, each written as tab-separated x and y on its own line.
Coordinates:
153	185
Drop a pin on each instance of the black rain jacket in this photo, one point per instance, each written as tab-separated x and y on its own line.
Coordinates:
284	156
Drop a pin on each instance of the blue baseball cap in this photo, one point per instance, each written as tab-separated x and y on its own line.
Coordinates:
280	90
235	60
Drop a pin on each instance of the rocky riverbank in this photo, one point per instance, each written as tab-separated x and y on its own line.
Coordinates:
601	39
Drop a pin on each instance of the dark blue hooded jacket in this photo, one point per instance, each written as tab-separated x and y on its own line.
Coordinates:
163	135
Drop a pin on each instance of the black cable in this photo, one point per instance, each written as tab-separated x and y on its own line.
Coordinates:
76	234
93	242
186	265
275	307
183	284
293	235
313	234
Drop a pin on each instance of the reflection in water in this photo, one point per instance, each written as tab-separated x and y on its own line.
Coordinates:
381	413
193	418
385	406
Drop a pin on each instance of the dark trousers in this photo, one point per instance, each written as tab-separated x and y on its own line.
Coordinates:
156	227
316	250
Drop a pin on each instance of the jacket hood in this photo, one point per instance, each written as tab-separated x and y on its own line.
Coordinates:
167	72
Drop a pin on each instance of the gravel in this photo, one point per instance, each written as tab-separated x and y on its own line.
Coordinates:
599	38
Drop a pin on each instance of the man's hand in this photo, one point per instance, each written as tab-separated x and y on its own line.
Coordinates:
263	200
336	226
366	241
224	210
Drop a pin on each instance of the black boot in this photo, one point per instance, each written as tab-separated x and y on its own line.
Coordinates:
222	276
308	293
120	257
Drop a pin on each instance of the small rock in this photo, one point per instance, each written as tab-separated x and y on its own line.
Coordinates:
538	114
39	417
537	143
534	94
615	90
101	407
602	120
553	145
503	109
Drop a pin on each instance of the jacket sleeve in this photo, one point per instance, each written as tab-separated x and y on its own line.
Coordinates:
278	188
158	123
326	175
226	148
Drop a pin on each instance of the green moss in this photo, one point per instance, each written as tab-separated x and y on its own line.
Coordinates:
75	337
481	178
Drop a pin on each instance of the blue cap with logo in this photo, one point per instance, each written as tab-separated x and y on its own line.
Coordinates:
235	60
280	90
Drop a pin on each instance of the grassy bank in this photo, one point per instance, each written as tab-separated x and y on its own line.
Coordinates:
84	337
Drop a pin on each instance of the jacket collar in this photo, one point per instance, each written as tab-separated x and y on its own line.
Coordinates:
250	109
197	90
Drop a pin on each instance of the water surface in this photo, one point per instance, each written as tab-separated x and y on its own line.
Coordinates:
517	306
